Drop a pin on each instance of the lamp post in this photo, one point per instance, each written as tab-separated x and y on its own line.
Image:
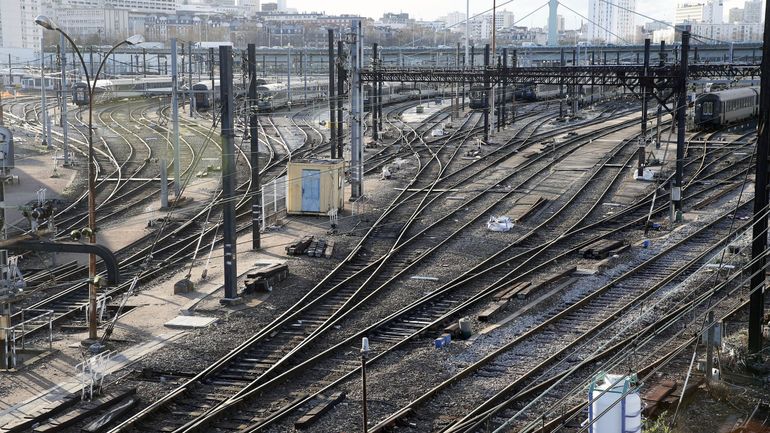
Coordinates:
364	355
49	24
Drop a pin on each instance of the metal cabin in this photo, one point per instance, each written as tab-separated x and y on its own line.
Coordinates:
315	186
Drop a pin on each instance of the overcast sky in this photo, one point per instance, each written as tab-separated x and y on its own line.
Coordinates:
431	9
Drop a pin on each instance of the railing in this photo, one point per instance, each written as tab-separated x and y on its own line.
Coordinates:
91	373
273	201
19	331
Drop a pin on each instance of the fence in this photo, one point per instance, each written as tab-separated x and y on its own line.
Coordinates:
273	201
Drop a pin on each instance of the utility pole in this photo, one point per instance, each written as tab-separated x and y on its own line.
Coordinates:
7	291
456	86
182	74
64	124
709	346
379	95
676	190
46	131
254	154
503	101
304	74
643	139
373	95
494	57
364	356
213	84
561	85
759	242
332	100
467	31
575	62
341	72
189	78
288	78
175	118
486	91
356	113
144	62
228	174
514	64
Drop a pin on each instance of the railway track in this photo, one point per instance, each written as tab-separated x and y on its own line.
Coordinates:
257	355
401	325
235	374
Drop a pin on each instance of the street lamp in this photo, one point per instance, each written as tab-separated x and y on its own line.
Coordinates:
49	24
364	355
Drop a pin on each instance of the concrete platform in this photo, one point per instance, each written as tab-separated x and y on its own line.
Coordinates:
54	395
190	322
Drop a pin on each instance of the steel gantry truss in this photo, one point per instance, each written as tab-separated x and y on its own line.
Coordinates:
618	75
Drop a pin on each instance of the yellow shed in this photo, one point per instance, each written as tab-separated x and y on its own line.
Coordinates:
315	186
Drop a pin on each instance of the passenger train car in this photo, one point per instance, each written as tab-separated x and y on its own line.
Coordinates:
106	90
276	95
478	96
393	92
727	106
526	92
203	92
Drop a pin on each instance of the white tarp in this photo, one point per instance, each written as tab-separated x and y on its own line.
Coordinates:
499	224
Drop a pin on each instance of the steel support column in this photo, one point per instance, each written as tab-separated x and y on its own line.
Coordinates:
340	98
228	173
254	151
486	94
356	113
681	111
759	243
643	80
373	96
332	100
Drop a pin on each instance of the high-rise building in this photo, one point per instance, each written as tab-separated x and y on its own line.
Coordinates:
707	12
281	5
688	12
250	7
17	24
454	19
611	22
560	23
135	6
752	11
735	15
712	12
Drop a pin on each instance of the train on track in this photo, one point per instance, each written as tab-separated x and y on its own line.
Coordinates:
279	95
270	96
716	109
111	89
393	92
478	97
542	92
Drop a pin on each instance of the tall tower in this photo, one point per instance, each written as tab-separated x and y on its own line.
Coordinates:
553	23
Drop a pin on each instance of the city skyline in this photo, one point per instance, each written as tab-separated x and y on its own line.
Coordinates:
433	9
